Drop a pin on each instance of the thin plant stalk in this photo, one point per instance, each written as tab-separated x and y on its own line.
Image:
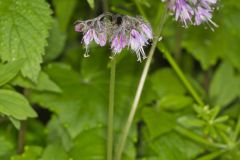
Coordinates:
21	137
138	92
111	99
111	110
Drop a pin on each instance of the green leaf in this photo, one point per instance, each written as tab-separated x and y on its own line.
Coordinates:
165	82
173	146
15	122
75	99
54	152
30	152
91	144
64	10
24	28
15	105
225	85
57	134
9	71
44	83
175	102
158	122
96	150
6	147
91	3
56	42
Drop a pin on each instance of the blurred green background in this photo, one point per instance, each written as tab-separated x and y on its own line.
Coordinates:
53	101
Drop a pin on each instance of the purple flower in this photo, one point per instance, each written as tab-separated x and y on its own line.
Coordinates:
88	37
203	15
203	12
183	11
102	39
91	35
129	31
207	3
136	43
118	43
147	30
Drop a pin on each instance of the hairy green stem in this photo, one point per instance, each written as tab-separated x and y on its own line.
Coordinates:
138	93
111	110
111	99
181	75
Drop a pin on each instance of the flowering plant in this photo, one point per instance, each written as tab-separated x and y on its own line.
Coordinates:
180	103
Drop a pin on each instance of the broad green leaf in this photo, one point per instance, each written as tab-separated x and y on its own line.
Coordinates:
44	83
165	82
30	152
225	85
24	28
158	122
91	144
80	99
172	146
91	3
56	42
57	134
9	71
6	147
175	102
15	105
64	10
54	152
96	150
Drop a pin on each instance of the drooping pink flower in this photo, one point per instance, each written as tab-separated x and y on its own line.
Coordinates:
183	11
102	39
203	15
146	29
88	37
136	43
203	12
128	31
119	42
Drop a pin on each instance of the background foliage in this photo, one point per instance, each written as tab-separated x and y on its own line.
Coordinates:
53	102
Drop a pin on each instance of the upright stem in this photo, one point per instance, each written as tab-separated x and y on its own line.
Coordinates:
105	5
138	92
111	99
111	110
21	137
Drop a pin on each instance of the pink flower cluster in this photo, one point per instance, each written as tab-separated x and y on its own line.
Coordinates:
193	12
119	30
